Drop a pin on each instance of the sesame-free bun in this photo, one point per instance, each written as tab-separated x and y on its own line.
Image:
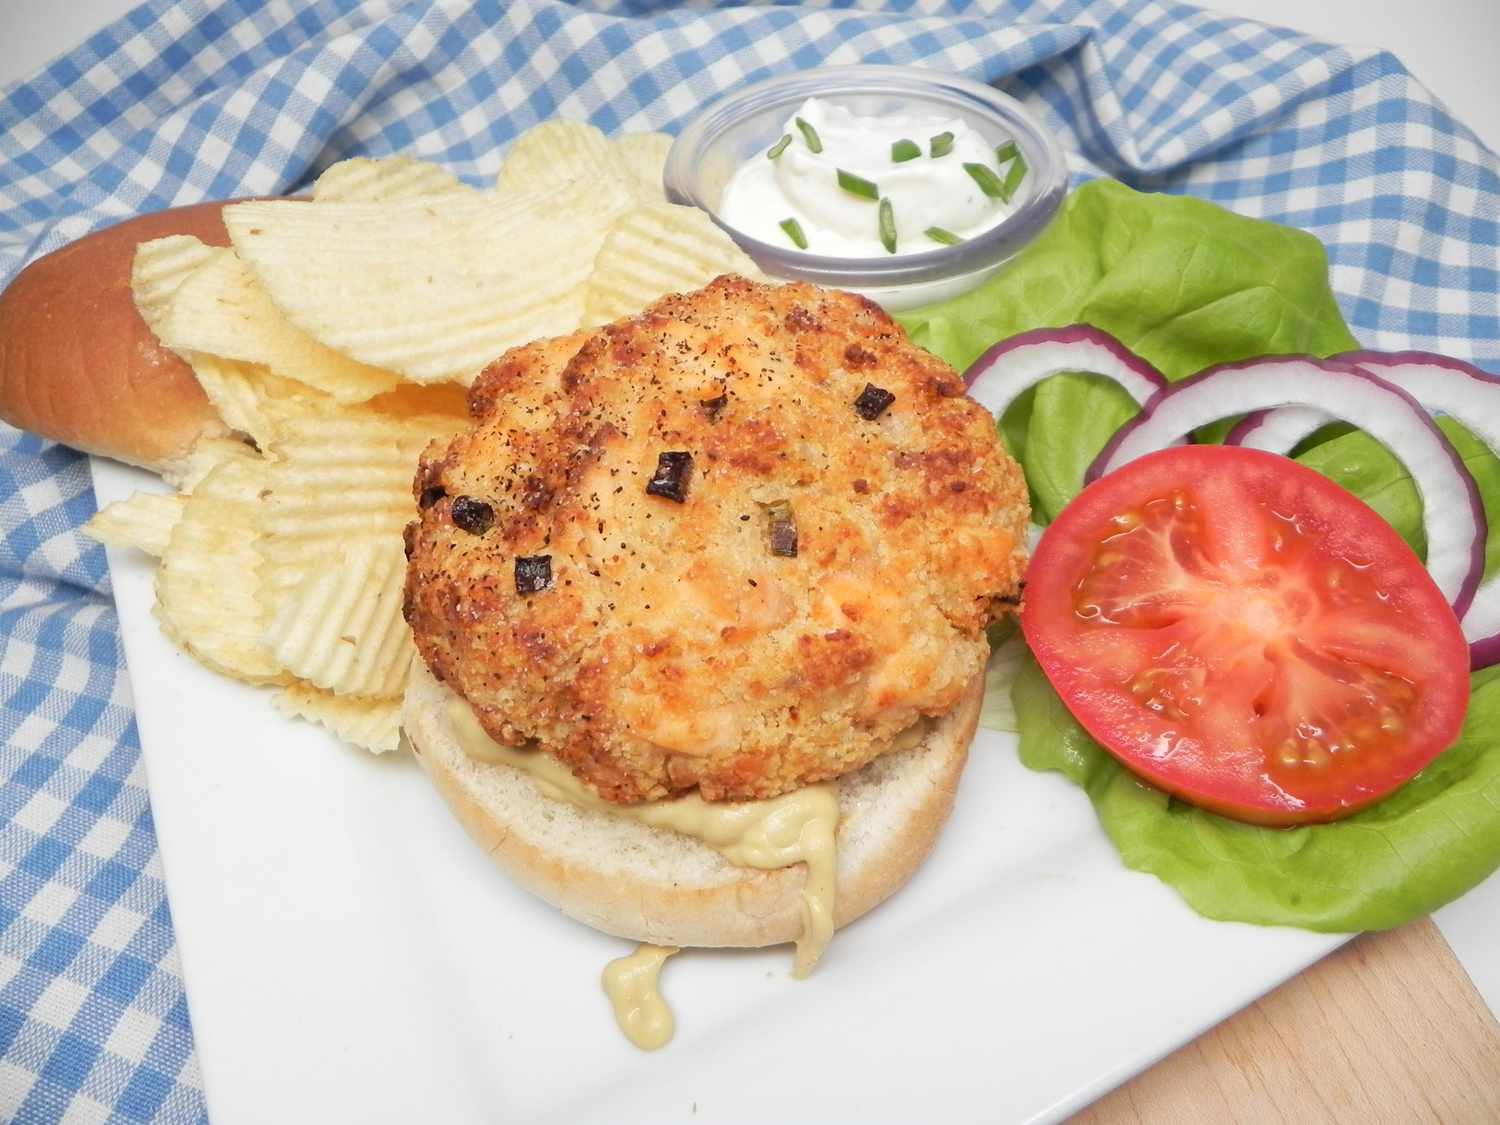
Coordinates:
655	885
79	365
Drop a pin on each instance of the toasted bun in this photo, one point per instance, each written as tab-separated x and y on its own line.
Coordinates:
77	362
651	884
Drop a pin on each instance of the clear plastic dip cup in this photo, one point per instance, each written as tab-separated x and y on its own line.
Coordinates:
747	121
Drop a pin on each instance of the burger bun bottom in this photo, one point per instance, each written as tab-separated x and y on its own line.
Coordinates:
654	885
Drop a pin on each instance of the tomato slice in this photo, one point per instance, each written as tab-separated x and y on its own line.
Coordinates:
1247	635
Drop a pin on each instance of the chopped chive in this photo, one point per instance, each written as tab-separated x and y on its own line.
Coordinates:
988	182
533	573
779	147
1007	151
781	524
904	150
1013	176
673	472
794	231
474	516
888	226
858	185
940	145
810	135
946	237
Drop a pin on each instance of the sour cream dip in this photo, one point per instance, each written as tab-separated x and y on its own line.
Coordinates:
840	184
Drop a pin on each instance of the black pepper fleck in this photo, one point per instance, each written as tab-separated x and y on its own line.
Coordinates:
535	494
474	516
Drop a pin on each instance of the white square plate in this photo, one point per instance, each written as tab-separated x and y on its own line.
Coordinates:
351	956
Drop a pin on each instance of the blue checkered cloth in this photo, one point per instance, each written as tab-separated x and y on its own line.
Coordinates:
180	102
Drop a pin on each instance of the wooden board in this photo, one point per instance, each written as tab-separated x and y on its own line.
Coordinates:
1388	1028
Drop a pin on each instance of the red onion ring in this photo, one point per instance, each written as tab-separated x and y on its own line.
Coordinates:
1012	367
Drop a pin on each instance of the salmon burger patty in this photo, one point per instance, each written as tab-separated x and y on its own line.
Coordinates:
740	543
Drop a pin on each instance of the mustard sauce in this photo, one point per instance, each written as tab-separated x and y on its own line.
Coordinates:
631	983
797	827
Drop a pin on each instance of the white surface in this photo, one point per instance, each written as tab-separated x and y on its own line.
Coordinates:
339	932
34	31
349	953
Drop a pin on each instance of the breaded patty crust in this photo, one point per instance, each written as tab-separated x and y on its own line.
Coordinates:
738	542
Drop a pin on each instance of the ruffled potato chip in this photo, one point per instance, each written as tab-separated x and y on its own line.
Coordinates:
645	158
371	724
219	310
557	152
144	522
431	288
159	267
337	479
206	584
654	250
382	180
247	396
411	401
207	454
340	628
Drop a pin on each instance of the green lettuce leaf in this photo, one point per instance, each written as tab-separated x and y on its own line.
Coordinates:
1367	469
1421	847
1189	285
997	712
1181	281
